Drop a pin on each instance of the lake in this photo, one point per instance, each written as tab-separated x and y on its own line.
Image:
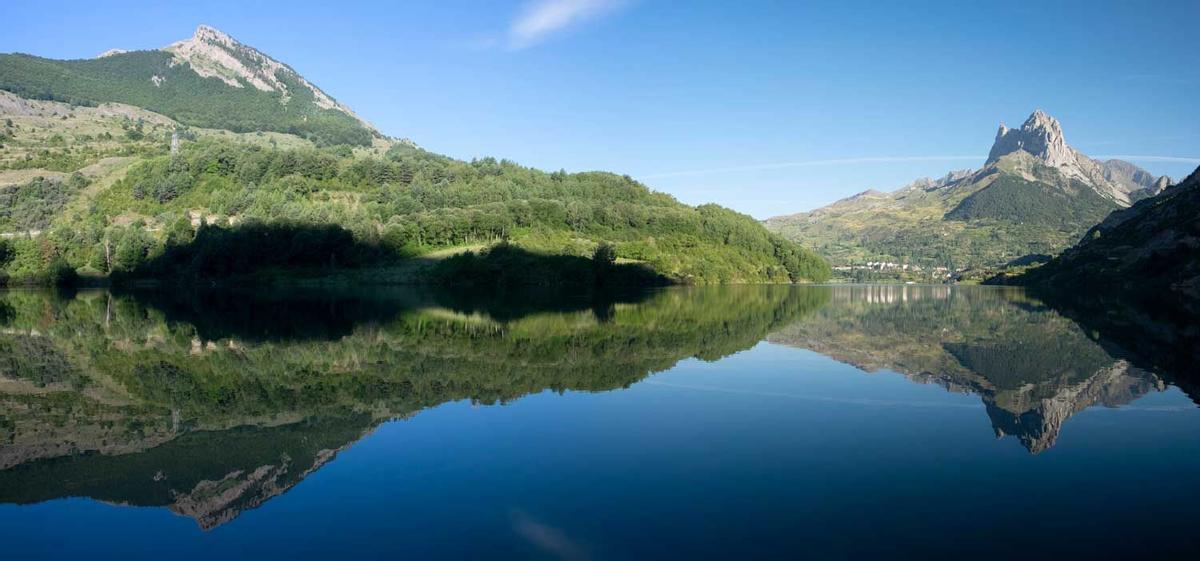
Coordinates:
823	422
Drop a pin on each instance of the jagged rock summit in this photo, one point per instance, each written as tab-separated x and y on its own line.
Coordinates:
1034	194
209	80
1041	136
212	53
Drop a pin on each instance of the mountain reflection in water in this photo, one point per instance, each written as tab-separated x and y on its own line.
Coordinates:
212	403
1032	367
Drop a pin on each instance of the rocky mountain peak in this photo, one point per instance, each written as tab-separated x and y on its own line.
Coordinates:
1161	184
209	34
212	53
1138	182
1040	121
1041	136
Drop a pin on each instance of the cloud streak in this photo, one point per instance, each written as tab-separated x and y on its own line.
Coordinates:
890	160
814	163
542	19
1143	158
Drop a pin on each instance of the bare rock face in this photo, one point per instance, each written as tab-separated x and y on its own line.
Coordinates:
1127	174
1154	189
1037	422
1041	135
1135	181
214	54
1161	184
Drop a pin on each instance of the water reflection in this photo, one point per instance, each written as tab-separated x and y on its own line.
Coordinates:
1032	367
212	403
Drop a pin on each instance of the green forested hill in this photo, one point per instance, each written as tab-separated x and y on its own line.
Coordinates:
98	190
411	202
404	205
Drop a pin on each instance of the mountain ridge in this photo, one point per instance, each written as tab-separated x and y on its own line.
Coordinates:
208	80
1034	194
1152	246
212	53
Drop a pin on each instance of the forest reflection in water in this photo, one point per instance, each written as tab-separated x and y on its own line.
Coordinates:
212	403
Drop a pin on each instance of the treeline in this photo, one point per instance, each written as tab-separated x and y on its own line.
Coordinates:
412	360
406	204
215	253
504	265
412	201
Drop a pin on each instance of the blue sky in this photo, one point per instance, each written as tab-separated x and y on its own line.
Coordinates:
765	107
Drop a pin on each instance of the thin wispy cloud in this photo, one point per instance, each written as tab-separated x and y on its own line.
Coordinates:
542	19
1160	78
1144	158
813	163
871	402
875	402
889	160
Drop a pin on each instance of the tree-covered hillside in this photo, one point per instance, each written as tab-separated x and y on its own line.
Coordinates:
1040	202
412	202
398	206
1149	250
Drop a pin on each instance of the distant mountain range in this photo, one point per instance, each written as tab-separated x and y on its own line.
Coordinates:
1035	194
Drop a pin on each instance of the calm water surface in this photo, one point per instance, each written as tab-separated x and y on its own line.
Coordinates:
719	423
